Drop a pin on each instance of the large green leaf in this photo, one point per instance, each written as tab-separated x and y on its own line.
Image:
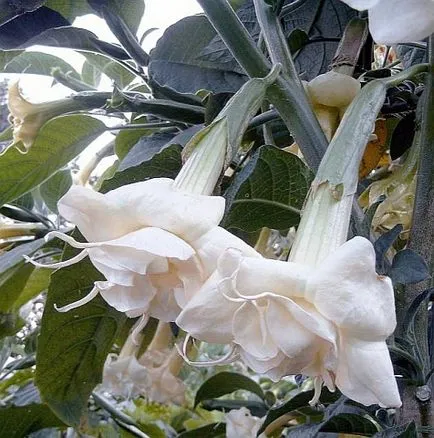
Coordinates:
58	142
37	283
166	163
131	15
20	61
73	346
214	430
117	72
55	187
226	383
14	256
175	62
20	421
268	192
12	282
70	9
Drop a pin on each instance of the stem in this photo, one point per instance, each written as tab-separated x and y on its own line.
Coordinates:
150	125
86	171
422	231
287	97
69	81
275	40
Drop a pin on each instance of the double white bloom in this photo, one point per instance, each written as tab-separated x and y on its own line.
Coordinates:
397	21
154	243
287	318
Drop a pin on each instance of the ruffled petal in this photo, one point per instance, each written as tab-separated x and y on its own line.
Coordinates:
251	332
294	340
401	21
124	298
214	243
151	203
361	5
346	289
365	373
208	315
262	366
164	306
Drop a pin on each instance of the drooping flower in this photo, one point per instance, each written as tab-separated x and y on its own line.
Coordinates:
240	423
27	118
397	21
154	243
286	318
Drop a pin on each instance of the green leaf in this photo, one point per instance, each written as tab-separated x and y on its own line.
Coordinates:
256	408
299	401
131	15
20	421
37	63
90	74
351	424
402	431
268	192
7	134
70	9
166	163
55	187
226	383
127	138
214	430
37	283
12	282
175	62
58	142
110	67
73	346
14	256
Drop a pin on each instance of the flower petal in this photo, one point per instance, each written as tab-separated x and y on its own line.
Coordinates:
401	21
263	366
251	332
347	290
214	243
124	298
208	315
294	340
365	373
154	202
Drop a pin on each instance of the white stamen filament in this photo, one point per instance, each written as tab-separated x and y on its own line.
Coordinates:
317	385
138	327
82	255
89	297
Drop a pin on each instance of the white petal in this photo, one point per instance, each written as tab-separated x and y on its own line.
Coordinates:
346	289
257	276
361	5
294	340
262	366
208	315
127	298
214	243
164	306
251	332
401	21
365	373
241	424
148	203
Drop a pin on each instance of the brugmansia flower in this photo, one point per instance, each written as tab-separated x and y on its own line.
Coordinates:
27	118
241	424
397	21
154	243
286	318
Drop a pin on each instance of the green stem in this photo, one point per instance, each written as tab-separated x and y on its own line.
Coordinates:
287	97
275	40
69	81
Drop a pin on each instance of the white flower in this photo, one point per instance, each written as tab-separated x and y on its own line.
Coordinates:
154	243
328	322
397	21
124	376
27	118
241	424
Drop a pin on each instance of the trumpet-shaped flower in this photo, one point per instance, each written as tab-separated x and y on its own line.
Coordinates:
397	21
27	118
283	318
154	243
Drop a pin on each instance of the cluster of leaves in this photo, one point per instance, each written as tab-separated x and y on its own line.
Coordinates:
189	76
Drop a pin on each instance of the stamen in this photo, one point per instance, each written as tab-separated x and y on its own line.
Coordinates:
317	385
82	255
227	359
138	327
89	297
72	242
